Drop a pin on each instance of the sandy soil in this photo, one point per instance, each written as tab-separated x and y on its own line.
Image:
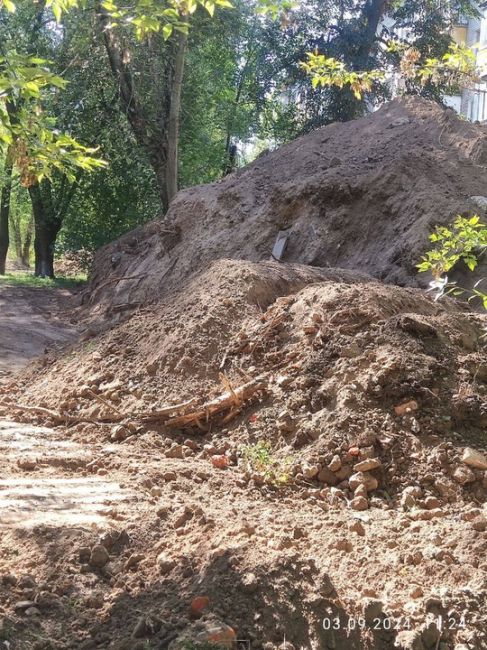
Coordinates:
285	454
130	534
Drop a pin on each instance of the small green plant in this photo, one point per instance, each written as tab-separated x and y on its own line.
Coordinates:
466	241
74	604
258	459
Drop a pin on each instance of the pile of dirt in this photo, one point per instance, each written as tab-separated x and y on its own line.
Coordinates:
362	195
302	449
329	359
372	404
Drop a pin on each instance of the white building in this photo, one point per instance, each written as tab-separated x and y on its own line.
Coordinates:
472	103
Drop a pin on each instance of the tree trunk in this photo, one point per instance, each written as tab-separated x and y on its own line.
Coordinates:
150	135
156	127
46	228
372	14
17	234
27	243
174	115
5	214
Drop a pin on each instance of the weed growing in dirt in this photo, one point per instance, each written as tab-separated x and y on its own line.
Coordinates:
74	604
30	280
257	459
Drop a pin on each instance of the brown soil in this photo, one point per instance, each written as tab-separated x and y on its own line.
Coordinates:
363	195
167	411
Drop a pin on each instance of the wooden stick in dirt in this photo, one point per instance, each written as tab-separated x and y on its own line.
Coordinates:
165	411
106	403
56	417
232	399
59	418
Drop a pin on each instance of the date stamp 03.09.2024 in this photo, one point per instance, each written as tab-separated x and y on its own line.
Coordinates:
390	623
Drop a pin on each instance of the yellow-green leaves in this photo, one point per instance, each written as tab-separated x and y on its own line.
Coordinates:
327	71
457	67
275	8
33	140
45	150
24	77
9	5
152	16
461	241
59	7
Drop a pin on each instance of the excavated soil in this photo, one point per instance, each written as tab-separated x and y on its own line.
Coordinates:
363	195
292	456
281	552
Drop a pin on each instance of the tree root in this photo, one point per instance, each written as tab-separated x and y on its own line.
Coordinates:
230	403
177	416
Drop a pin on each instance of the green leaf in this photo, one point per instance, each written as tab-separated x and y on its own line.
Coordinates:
167	30
9	6
57	11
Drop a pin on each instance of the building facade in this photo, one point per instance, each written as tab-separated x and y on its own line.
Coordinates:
472	103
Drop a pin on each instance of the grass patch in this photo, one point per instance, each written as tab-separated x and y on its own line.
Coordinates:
25	279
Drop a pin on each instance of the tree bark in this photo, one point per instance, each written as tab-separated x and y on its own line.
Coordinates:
26	244
174	115
372	14
47	225
150	135
5	213
156	127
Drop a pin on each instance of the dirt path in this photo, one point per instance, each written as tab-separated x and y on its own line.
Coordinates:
31	319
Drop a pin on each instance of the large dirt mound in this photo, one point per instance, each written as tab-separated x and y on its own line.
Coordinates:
371	400
333	355
304	446
363	195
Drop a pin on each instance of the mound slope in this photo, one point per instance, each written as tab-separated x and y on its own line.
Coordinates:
363	195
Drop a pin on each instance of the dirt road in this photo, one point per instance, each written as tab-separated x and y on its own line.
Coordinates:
31	319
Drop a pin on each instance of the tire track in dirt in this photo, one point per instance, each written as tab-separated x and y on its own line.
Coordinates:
35	489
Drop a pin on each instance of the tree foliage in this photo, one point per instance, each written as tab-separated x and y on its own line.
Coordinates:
84	83
464	241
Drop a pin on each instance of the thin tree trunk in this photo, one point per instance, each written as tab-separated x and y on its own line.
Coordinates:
27	243
174	116
46	229
372	14
151	136
15	228
5	214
